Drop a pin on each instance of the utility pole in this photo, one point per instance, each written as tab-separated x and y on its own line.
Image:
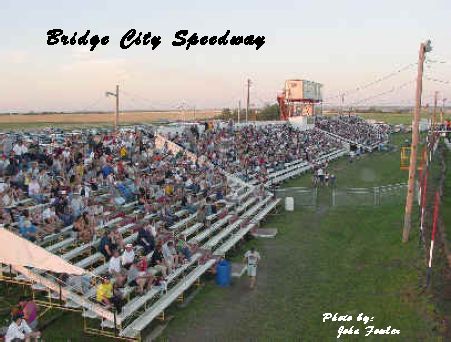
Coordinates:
247	102
239	110
424	47
434	115
342	100
116	113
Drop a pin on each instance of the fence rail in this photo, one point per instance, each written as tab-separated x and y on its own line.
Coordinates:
339	197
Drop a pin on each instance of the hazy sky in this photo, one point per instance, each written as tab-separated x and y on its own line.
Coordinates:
342	44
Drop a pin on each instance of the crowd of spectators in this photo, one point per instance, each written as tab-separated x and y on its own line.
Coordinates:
252	151
77	181
354	129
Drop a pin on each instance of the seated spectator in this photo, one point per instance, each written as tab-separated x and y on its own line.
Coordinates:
19	330
158	262
106	245
117	238
146	240
107	296
128	256
170	254
84	228
28	230
139	279
34	190
161	284
183	248
30	312
115	270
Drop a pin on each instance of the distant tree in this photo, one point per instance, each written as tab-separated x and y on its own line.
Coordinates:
226	114
269	112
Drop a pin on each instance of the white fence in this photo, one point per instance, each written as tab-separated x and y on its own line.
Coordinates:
339	197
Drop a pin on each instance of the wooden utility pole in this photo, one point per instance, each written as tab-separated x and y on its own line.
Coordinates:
116	112
239	110
116	122
342	100
424	47
248	95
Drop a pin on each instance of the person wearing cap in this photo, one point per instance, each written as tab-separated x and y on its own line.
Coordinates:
128	256
19	330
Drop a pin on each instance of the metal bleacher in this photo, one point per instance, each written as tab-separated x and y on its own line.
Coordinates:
241	210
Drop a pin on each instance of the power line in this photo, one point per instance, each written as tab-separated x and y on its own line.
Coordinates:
372	83
432	79
392	90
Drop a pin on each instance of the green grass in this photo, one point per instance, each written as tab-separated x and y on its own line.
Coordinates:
398	118
446	200
345	260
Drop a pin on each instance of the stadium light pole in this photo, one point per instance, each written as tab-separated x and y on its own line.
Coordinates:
116	113
424	48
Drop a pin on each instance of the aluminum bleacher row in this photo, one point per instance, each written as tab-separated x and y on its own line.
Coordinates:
223	225
301	166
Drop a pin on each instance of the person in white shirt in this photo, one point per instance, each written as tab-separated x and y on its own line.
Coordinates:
114	268
252	258
128	256
19	329
20	149
34	190
170	254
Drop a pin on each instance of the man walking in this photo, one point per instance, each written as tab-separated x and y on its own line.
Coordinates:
252	258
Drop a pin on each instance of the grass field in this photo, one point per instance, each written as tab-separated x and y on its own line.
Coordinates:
397	118
76	120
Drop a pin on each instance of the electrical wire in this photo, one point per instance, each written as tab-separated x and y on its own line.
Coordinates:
372	83
392	90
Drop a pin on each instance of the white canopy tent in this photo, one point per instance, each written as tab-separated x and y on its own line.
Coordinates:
17	251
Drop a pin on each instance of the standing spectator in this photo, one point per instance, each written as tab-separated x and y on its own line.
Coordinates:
252	258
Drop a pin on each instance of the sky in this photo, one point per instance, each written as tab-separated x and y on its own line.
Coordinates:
341	44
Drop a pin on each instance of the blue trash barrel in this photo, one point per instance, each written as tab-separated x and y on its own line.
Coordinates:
223	273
